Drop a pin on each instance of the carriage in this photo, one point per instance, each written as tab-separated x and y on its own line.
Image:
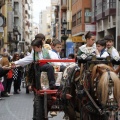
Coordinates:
89	90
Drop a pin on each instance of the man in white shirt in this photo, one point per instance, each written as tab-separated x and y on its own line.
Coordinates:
110	49
40	53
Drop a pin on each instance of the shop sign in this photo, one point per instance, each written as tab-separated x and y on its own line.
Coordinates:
78	39
90	28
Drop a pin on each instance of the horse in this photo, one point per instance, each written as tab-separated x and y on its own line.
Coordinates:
106	87
102	83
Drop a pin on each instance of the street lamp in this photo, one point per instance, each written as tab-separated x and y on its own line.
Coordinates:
64	36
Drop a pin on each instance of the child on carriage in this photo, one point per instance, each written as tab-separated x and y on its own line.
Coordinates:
56	48
110	49
89	48
101	49
40	53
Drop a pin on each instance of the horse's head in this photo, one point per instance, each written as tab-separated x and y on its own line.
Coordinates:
108	85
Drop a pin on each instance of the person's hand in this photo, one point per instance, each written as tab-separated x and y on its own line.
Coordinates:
13	65
6	67
97	52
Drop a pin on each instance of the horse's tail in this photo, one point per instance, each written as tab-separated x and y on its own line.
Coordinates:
103	87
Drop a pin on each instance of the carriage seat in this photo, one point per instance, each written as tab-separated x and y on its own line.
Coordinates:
45	82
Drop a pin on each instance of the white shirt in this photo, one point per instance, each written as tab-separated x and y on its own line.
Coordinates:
104	55
57	56
113	53
29	59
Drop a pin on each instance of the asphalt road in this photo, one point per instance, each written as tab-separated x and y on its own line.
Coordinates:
20	107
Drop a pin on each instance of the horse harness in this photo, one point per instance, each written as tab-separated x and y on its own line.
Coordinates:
111	103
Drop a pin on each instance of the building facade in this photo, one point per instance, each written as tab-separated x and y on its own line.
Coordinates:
45	22
104	15
81	21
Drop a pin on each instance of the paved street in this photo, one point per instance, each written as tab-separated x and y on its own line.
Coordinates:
19	107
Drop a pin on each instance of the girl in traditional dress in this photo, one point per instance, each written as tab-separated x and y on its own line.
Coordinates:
90	47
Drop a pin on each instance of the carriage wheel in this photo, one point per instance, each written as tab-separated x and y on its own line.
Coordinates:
38	108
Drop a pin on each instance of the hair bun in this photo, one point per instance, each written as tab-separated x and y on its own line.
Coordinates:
89	35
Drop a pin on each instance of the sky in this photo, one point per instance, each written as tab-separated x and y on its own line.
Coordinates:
38	6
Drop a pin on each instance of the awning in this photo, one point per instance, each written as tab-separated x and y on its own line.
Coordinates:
78	39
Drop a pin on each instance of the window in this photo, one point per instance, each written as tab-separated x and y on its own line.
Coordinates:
112	4
74	20
87	15
79	14
104	5
99	8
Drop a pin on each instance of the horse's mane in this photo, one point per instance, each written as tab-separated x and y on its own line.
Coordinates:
100	71
102	89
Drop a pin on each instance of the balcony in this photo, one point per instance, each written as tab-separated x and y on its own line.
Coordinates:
110	11
64	4
110	8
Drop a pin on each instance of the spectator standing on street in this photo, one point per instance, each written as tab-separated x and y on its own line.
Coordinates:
17	75
3	71
5	62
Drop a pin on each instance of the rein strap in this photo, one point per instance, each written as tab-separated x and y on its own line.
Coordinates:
96	106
